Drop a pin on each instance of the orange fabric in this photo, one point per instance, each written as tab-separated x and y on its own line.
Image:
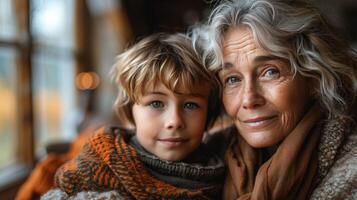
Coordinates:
41	179
108	162
287	174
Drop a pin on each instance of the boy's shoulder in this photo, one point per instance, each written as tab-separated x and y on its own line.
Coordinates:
106	136
110	131
118	131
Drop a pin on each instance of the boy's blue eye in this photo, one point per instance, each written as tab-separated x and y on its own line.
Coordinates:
190	105
156	104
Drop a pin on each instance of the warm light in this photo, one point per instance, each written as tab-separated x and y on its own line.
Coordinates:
87	81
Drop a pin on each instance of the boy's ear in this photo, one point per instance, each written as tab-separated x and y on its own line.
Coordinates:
125	116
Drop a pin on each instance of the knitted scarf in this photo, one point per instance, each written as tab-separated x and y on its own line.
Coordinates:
109	162
288	174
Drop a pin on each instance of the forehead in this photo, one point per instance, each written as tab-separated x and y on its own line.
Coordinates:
241	50
239	44
199	90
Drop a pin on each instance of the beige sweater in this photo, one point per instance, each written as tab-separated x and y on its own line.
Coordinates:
340	181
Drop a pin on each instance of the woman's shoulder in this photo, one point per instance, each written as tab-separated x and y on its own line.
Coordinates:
59	194
341	180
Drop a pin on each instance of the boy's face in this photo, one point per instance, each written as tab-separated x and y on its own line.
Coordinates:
171	125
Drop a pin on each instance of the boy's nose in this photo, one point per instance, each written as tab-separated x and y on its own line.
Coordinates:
174	120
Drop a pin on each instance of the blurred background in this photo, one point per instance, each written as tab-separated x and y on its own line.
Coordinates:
55	59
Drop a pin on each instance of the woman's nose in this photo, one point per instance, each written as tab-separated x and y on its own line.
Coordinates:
251	97
174	120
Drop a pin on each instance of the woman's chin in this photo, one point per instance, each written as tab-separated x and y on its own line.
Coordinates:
258	144
261	140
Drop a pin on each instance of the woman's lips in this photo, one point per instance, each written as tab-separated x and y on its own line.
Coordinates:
258	121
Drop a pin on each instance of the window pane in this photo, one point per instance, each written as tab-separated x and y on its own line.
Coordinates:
8	107
54	99
7	20
52	22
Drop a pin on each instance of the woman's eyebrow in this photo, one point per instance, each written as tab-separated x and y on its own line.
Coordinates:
257	59
263	58
227	65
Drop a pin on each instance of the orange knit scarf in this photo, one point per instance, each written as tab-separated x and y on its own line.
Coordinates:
108	162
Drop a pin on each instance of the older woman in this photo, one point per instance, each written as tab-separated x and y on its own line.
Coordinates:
289	84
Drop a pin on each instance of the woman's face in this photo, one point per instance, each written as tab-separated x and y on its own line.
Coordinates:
265	100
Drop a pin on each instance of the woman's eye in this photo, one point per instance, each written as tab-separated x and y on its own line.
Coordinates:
231	80
190	105
272	72
156	104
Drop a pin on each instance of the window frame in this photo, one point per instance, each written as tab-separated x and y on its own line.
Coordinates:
15	173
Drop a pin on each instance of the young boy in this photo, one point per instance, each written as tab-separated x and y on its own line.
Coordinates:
171	100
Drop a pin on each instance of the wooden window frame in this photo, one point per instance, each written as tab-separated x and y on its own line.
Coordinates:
15	173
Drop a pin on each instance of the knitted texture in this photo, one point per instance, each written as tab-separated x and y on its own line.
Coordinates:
57	194
340	180
200	167
108	162
334	132
41	178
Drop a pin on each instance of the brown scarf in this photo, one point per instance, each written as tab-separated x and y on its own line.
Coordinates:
287	174
108	162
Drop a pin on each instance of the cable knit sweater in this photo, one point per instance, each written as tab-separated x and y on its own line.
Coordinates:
337	174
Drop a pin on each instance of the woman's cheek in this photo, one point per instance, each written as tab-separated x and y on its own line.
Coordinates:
231	103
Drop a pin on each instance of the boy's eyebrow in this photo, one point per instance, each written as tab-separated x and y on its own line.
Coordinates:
200	95
178	93
155	92
197	95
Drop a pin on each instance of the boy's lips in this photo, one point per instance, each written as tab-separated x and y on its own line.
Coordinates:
172	139
172	142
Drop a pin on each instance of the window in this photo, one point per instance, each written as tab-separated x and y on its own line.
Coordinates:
38	64
16	118
53	65
44	47
7	16
8	108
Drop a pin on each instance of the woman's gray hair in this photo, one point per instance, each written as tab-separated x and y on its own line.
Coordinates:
291	30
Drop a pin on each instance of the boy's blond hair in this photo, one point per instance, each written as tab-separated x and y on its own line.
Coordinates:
162	58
